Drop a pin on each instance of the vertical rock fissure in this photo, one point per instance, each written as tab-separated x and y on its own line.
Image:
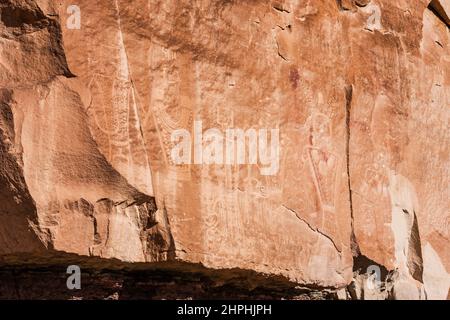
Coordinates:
348	107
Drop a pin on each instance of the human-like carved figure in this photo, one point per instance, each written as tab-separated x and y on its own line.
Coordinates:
323	161
375	179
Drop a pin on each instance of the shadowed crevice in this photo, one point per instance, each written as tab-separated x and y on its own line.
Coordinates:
415	260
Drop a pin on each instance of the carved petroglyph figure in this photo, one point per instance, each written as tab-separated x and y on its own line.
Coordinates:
375	180
121	126
373	189
323	167
323	161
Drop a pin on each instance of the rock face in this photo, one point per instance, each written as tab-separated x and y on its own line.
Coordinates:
354	96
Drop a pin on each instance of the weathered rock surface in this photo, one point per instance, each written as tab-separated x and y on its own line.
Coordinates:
360	93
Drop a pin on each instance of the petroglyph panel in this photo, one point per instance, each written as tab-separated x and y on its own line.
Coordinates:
357	91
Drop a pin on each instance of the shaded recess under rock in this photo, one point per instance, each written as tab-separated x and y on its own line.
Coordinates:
360	93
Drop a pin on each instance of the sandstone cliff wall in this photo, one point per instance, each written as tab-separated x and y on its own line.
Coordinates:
359	91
